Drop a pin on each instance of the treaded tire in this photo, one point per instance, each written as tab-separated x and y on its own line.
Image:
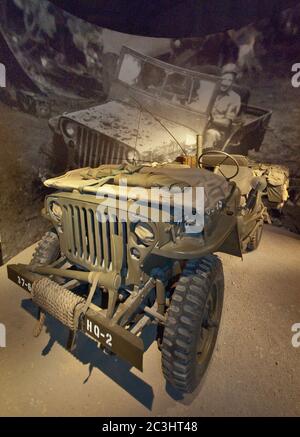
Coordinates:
47	250
200	285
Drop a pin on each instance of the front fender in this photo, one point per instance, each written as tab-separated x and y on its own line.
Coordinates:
224	238
54	124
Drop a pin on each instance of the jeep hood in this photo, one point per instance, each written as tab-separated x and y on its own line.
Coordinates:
138	129
106	179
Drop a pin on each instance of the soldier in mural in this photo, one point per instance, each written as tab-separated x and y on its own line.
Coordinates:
226	107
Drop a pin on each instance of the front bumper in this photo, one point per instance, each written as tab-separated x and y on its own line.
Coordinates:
93	324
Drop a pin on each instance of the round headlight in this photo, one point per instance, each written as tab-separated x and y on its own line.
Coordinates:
70	129
145	233
56	211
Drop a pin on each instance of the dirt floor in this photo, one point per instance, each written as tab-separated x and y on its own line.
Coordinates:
21	137
254	371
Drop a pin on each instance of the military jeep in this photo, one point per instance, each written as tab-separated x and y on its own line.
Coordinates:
153	110
143	92
108	270
126	248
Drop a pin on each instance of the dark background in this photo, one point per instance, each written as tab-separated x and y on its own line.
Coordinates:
173	18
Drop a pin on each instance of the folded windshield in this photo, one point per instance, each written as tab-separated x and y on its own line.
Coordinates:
179	88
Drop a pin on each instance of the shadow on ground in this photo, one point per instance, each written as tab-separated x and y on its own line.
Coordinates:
87	352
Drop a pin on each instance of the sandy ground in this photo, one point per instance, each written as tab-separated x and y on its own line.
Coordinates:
254	371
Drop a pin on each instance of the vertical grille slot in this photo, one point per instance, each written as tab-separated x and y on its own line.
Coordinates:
80	145
106	242
84	241
77	231
92	148
97	151
86	146
102	246
91	237
104	235
106	156
98	239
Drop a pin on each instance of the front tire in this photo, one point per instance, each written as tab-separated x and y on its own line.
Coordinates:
192	323
47	250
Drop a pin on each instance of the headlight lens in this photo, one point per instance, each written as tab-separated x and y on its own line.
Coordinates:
145	233
56	211
70	129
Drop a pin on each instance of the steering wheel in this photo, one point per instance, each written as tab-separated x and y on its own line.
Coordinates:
217	167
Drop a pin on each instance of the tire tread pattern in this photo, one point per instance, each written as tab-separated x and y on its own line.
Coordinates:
184	321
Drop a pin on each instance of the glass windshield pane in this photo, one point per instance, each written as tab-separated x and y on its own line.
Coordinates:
152	78
177	88
141	74
202	93
130	70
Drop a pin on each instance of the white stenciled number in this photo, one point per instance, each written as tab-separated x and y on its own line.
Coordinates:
109	340
21	281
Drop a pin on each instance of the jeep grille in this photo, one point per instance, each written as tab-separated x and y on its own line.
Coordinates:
89	242
94	149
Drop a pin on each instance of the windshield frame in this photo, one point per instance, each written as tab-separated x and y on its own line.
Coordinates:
170	69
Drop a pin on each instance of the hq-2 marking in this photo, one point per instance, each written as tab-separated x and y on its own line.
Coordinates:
93	329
